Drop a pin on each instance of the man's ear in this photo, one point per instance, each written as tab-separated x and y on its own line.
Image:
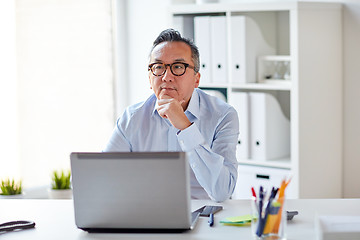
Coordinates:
150	80
197	79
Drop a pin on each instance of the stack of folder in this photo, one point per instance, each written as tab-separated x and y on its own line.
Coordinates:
210	37
264	129
245	41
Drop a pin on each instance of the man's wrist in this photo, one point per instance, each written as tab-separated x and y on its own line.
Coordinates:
191	123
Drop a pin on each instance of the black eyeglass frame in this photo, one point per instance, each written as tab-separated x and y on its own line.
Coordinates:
169	65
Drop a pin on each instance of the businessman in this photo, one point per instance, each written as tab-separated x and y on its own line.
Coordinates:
181	117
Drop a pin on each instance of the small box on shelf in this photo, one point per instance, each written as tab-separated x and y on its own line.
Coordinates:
274	69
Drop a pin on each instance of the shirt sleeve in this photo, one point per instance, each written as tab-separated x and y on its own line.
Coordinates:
118	141
215	166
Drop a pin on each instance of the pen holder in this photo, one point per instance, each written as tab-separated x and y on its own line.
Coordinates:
269	219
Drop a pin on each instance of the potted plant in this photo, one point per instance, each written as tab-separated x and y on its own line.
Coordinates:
61	185
11	188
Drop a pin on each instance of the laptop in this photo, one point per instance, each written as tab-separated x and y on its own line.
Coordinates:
132	192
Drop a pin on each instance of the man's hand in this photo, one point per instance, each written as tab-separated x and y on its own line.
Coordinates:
171	109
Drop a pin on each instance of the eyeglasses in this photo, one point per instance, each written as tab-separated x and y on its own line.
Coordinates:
176	68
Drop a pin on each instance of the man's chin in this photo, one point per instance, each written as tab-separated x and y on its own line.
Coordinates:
166	95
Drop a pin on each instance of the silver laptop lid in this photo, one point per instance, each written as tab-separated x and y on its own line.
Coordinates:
136	190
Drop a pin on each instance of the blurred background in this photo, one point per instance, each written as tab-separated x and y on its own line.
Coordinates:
69	68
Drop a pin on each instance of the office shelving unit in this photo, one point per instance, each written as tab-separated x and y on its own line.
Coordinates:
308	34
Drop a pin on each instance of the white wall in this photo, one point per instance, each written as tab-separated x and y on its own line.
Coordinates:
146	20
9	161
145	24
351	66
65	82
351	90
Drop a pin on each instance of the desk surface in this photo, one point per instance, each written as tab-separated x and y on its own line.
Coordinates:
55	220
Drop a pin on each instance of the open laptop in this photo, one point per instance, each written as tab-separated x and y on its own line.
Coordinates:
132	192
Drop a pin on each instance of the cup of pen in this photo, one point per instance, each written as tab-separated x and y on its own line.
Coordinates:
269	218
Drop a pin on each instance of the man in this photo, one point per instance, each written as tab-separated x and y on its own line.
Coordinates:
181	117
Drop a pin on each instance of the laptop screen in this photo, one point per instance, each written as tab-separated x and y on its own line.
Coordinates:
131	190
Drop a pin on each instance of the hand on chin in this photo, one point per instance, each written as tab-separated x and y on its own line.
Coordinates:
171	108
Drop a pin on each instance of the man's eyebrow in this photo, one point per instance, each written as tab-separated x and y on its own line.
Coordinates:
176	60
179	60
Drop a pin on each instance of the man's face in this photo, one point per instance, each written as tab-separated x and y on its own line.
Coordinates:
170	85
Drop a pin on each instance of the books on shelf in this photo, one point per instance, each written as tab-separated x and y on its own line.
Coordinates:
269	127
264	129
240	101
246	44
218	43
201	38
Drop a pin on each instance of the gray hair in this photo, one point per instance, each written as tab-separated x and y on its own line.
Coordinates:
171	35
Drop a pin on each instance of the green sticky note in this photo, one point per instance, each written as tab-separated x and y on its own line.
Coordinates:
244	220
240	219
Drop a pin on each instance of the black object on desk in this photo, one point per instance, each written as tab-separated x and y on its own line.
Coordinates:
16	225
291	214
207	210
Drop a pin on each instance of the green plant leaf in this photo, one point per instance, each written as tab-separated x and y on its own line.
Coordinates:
61	180
10	187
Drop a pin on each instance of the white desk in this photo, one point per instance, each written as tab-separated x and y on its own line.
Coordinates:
55	220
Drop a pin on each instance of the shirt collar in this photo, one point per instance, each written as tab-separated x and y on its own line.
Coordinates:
194	105
155	105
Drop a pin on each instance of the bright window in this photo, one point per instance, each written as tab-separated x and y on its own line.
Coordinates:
61	97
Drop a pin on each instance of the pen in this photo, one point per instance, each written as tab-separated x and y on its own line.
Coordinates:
272	216
281	199
268	209
261	220
253	192
254	198
211	220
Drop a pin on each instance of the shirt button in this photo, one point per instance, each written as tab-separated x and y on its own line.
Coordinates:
182	142
193	165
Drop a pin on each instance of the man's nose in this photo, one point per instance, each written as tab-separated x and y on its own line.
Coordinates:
168	75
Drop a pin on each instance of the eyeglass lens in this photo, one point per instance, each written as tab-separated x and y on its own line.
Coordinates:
177	69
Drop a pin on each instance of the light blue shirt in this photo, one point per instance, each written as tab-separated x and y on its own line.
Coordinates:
210	141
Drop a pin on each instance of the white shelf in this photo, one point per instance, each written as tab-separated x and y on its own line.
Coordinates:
282	86
278	163
308	36
215	8
213	85
276	85
276	58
